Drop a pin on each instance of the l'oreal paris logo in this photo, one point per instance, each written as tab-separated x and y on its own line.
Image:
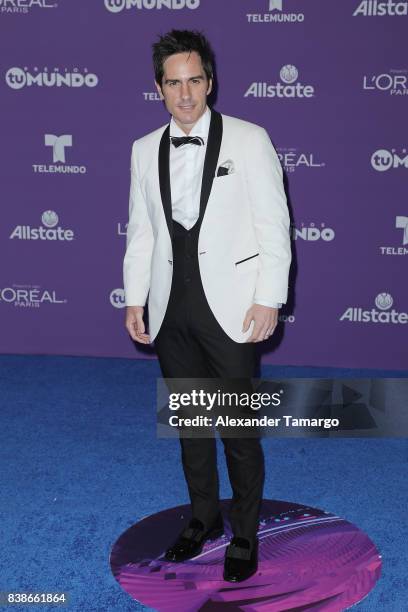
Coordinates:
395	82
23	6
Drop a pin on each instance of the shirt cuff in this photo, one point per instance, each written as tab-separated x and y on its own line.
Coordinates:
270	304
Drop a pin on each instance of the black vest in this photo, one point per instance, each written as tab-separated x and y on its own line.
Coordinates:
186	271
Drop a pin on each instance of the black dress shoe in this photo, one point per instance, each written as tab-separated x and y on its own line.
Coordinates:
191	540
240	561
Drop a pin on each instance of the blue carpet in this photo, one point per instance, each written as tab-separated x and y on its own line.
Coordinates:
80	463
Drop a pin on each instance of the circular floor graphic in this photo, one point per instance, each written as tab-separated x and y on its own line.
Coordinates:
309	560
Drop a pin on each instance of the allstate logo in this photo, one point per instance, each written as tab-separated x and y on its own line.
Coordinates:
49	218
287	87
47	231
384	301
117	298
16	78
382	313
288	73
374	8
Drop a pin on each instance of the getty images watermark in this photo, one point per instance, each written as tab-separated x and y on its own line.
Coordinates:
226	399
294	407
233	407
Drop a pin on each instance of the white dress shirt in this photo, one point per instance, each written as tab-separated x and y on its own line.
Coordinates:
186	172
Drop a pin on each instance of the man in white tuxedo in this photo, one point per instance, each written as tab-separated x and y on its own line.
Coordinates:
208	246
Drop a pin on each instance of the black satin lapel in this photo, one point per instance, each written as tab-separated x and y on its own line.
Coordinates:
211	158
164	177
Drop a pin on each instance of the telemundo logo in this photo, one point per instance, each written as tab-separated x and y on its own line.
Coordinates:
49	219
276	14
58	144
116	6
380	314
401	222
288	88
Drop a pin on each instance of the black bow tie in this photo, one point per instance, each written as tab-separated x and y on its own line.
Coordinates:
182	140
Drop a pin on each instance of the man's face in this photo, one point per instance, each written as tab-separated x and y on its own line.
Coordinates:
184	88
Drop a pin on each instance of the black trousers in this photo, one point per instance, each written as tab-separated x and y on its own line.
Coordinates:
192	344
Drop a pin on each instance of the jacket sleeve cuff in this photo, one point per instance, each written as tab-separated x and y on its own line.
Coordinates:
270	304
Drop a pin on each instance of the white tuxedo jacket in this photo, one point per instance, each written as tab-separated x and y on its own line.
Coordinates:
244	245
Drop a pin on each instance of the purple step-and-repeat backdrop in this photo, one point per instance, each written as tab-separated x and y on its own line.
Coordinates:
328	80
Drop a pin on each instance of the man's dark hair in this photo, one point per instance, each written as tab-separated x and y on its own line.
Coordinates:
180	41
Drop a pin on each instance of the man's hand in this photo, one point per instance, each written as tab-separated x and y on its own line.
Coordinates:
265	319
135	324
